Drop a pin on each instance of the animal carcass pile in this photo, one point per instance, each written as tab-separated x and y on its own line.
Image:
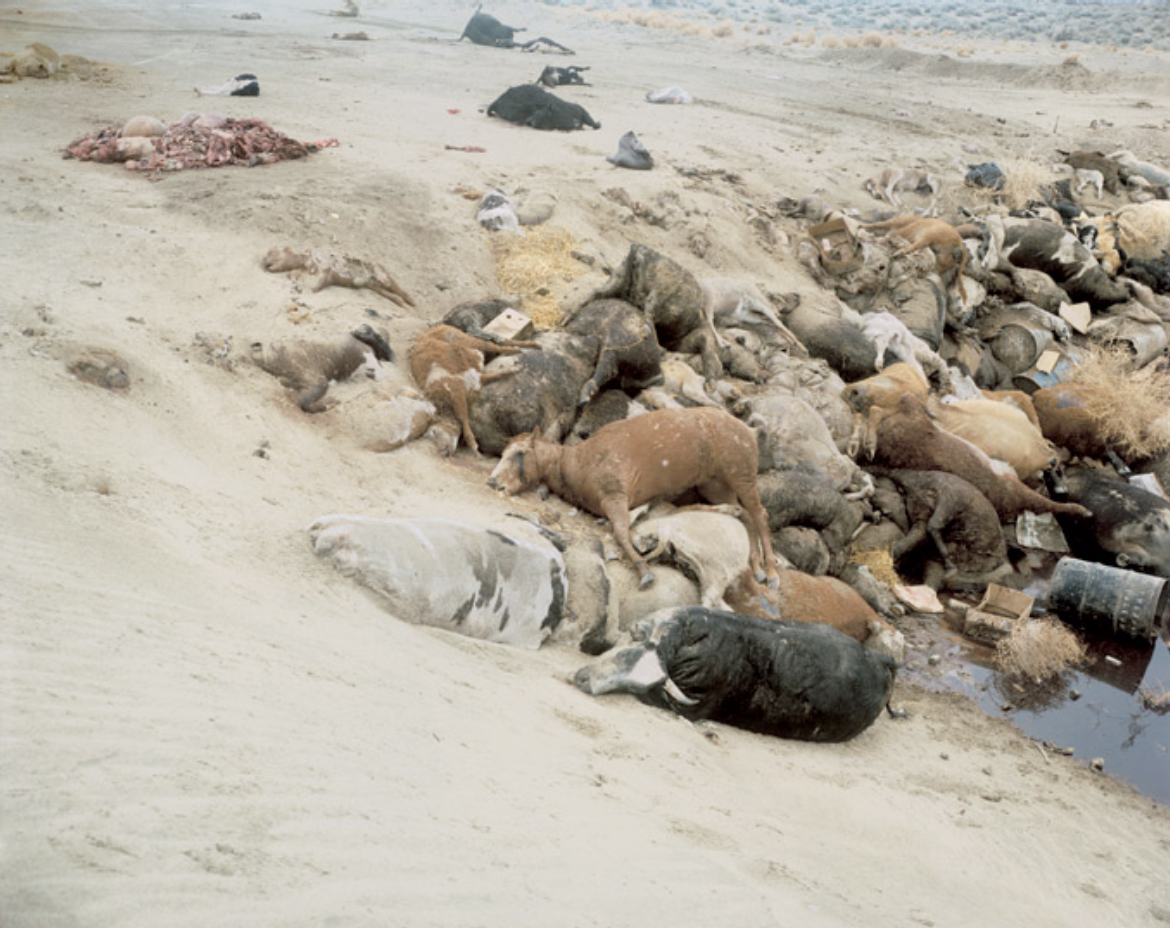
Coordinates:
195	141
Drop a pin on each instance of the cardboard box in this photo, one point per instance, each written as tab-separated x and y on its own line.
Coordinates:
840	252
510	324
997	614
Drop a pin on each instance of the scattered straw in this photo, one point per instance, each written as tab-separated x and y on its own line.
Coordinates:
880	563
1039	650
1128	404
533	266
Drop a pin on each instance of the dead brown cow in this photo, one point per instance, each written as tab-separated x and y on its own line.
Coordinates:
653	456
875	398
908	438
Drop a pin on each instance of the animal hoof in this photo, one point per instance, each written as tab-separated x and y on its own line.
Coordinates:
645	580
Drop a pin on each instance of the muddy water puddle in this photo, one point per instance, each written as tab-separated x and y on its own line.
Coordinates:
1116	707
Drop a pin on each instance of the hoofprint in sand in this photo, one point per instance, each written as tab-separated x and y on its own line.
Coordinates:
203	724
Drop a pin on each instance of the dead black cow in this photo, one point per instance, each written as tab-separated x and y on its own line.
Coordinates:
790	679
484	29
530	105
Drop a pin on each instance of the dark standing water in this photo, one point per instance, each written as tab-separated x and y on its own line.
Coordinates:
1115	717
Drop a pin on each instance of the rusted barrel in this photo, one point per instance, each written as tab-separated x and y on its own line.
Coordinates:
1108	598
1034	379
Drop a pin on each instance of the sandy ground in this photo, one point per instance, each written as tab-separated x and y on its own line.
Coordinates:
203	725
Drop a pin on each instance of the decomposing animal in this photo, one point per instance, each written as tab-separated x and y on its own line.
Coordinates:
472	316
242	85
608	406
673	300
890	334
553	76
508	584
732	303
804	598
894	180
540	391
1134	231
485	29
1090	178
448	366
496	213
809	500
533	106
1129	526
1065	419
1131	165
908	438
1096	161
1001	430
338	271
1046	246
969	548
788	679
310	366
629	345
710	543
875	398
793	436
659	455
942	238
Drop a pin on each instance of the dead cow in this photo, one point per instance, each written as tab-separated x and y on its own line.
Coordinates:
629	345
530	105
658	455
673	300
908	438
780	678
507	586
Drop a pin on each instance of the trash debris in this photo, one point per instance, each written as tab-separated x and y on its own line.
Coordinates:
670	95
352	36
989	176
1108	598
1040	531
1039	650
997	614
631	154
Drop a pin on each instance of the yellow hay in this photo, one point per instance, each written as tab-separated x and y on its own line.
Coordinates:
880	563
534	266
1024	178
1129	405
1039	650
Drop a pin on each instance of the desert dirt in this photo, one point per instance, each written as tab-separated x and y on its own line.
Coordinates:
202	724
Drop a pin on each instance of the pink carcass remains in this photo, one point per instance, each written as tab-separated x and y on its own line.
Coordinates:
195	141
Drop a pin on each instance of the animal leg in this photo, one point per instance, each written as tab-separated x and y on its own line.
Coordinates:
857	436
617	510
456	393
911	540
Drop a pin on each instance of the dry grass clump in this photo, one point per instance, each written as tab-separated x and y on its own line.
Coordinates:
871	40
1130	405
830	41
723	30
880	563
1039	650
531	266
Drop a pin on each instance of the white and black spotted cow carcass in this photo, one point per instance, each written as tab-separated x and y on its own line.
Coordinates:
508	585
795	680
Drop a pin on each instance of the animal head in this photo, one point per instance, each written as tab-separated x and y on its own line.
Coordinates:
517	470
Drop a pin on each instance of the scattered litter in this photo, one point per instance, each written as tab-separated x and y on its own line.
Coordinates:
669	95
631	154
246	16
352	36
988	175
351	9
919	598
475	149
997	614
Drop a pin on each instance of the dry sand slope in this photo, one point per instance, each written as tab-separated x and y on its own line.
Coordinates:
202	725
